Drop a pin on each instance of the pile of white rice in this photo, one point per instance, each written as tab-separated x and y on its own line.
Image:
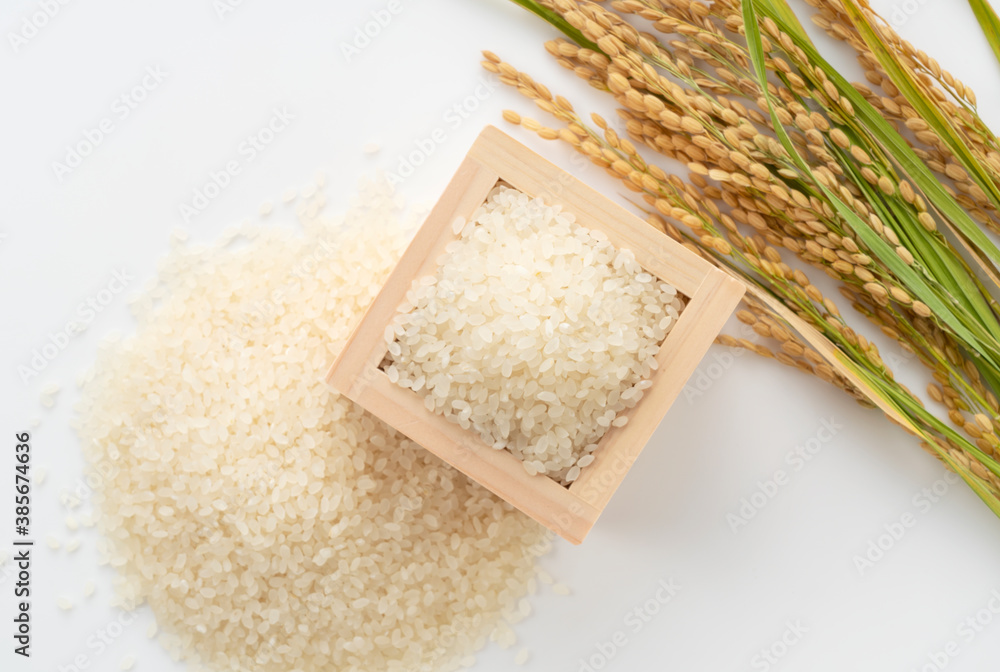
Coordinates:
271	524
535	332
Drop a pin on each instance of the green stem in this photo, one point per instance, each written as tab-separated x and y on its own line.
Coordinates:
557	21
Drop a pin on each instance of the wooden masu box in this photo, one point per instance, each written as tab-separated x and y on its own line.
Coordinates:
570	512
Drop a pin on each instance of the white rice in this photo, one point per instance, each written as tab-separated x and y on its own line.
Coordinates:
535	332
271	524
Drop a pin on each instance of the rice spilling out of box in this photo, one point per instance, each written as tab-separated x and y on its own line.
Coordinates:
270	523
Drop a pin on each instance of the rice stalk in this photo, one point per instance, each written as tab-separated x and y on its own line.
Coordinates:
917	94
939	88
786	157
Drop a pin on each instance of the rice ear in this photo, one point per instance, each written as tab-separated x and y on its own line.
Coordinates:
918	98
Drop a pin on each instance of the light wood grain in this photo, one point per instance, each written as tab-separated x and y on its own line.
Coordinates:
540	497
366	347
570	512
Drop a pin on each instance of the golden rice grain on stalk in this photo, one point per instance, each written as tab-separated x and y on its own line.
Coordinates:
984	422
956	172
886	186
900	295
840	138
860	155
905	255
512	117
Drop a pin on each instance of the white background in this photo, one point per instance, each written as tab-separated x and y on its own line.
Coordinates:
793	562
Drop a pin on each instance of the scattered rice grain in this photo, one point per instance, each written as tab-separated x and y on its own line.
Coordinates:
561	589
252	507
